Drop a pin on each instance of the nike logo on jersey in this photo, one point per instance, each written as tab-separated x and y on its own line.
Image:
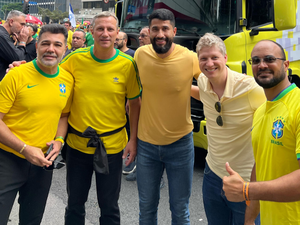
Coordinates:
31	86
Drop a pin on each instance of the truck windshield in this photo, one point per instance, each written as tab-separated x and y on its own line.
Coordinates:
193	17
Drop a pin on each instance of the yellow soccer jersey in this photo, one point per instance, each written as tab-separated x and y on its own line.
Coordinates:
99	96
276	146
70	38
33	102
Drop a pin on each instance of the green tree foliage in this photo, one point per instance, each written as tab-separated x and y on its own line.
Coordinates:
55	15
10	6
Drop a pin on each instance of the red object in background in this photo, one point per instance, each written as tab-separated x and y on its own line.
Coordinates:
87	22
32	19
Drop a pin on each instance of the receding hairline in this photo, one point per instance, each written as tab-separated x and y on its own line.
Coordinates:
280	48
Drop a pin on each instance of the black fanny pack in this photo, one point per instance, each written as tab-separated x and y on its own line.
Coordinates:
100	162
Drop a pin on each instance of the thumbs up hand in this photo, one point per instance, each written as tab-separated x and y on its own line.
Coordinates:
233	185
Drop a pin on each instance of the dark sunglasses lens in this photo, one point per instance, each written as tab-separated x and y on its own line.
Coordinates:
269	59
255	60
219	121
218	107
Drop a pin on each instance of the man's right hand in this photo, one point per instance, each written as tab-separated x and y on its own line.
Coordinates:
24	34
15	64
36	156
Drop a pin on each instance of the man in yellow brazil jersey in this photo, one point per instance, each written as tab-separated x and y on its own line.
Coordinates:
34	102
104	76
274	187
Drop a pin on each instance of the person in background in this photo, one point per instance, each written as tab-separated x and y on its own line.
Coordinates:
274	187
68	25
89	39
14	25
121	44
144	38
30	45
78	40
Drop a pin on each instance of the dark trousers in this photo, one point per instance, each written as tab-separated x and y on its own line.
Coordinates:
33	184
79	178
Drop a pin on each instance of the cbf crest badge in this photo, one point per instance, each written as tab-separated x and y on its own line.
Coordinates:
277	130
62	88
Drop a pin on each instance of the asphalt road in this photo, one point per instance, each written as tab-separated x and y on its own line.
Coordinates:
54	213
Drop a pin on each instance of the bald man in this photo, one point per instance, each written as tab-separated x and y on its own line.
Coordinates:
121	44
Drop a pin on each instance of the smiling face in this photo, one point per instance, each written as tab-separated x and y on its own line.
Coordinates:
50	49
268	75
105	32
161	35
212	62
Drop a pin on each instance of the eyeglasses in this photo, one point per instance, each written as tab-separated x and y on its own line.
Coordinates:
267	59
119	39
143	35
219	119
78	38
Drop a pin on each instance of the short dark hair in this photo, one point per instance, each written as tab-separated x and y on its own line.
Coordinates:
54	29
34	28
68	22
162	14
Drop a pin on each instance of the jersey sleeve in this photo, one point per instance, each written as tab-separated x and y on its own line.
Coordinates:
8	90
297	123
256	97
196	68
133	85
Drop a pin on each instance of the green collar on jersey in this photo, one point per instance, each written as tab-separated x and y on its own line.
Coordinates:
284	92
103	60
43	73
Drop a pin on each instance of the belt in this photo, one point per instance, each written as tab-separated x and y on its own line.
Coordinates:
100	162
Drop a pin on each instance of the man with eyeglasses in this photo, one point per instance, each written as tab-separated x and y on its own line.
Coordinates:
229	101
121	44
144	38
14	25
78	40
275	181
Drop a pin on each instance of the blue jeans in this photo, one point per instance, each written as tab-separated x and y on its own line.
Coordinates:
178	159
218	209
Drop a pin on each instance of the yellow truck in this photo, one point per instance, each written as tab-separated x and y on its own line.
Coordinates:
240	23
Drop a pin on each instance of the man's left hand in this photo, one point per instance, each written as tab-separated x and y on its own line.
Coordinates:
131	150
233	185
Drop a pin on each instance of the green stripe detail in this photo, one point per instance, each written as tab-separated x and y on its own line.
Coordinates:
103	60
43	73
298	156
80	50
136	96
284	92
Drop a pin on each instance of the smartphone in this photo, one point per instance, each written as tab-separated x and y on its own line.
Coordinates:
49	168
49	150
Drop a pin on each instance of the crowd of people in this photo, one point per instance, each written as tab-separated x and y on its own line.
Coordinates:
117	104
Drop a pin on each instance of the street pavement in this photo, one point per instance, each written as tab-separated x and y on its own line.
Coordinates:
54	212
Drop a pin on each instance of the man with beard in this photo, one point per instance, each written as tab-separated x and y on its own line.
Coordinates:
165	139
33	104
274	187
121	44
229	101
14	25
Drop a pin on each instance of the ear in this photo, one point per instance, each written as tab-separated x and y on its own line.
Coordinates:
286	65
175	31
226	58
